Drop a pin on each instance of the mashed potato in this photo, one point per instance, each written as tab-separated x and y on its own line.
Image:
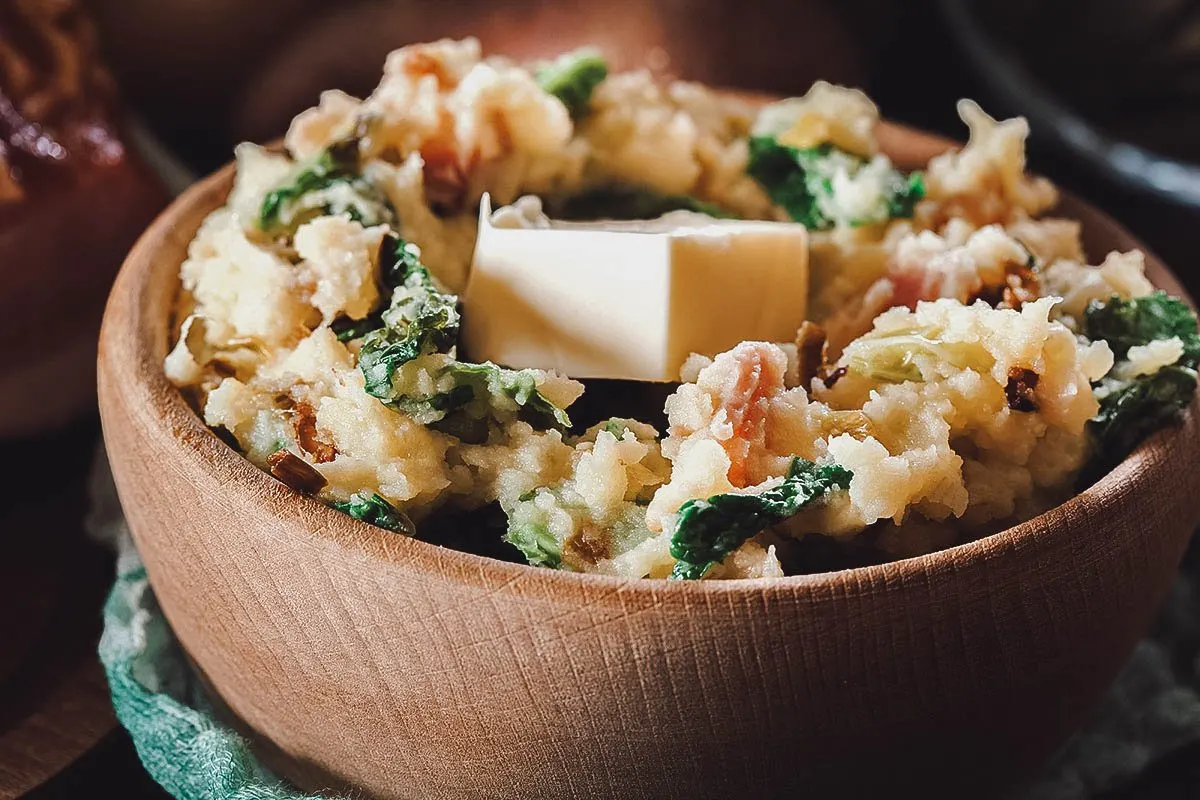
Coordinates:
947	375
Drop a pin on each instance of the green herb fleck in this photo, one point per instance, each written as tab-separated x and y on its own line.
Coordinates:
1133	408
536	543
615	427
419	330
374	509
706	531
329	183
803	181
572	78
421	319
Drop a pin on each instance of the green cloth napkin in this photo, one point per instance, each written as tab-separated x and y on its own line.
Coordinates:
159	702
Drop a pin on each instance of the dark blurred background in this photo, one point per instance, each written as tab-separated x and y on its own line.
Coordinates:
1109	86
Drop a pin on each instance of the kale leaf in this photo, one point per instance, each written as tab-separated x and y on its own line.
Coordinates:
338	162
375	510
620	202
1132	408
348	330
706	531
616	427
520	385
329	183
1137	407
572	78
536	543
802	182
421	319
1138	321
399	263
406	363
467	397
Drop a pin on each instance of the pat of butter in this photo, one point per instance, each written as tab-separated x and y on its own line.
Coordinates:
630	300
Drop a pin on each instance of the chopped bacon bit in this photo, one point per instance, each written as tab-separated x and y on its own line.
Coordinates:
418	63
1019	389
222	369
445	187
829	378
295	472
590	544
745	404
305	423
811	350
445	175
1020	286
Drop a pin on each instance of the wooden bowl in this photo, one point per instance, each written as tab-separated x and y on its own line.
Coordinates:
362	660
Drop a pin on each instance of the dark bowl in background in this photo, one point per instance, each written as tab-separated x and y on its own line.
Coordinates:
1111	89
208	75
1113	83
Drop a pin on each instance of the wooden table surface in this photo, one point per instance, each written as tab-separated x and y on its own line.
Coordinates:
53	699
54	709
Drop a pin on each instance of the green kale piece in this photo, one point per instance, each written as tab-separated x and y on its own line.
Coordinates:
536	543
348	330
783	172
903	194
801	181
1132	408
421	319
470	396
409	353
1140	320
532	528
572	78
399	263
329	183
374	509
520	385
1135	408
706	531
616	427
624	202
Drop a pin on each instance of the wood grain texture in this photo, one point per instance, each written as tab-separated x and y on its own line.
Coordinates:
57	725
365	660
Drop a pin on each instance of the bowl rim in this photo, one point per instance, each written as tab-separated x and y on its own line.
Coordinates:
130	329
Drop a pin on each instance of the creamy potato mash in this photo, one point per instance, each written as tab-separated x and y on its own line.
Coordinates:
956	375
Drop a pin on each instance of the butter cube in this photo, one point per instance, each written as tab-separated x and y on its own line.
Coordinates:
630	300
